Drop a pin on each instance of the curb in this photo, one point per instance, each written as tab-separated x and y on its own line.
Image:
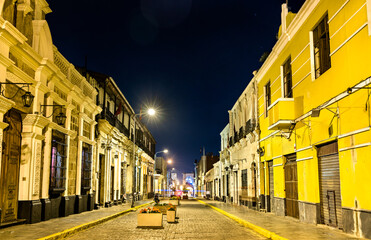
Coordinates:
71	231
260	230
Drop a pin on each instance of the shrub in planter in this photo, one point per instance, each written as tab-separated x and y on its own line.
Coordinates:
174	201
150	217
163	207
171	213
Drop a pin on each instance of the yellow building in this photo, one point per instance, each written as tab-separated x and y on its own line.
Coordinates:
314	117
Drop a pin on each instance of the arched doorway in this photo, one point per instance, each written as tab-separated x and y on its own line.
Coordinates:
11	154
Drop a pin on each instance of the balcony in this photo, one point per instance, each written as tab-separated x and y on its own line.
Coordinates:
281	114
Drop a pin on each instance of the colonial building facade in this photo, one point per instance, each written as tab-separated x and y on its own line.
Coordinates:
60	152
310	148
314	116
243	170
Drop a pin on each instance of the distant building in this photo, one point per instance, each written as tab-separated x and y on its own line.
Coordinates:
202	167
160	176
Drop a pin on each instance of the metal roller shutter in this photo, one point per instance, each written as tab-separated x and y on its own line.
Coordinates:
329	179
271	184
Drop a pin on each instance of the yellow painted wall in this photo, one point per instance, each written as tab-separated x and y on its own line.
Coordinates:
350	64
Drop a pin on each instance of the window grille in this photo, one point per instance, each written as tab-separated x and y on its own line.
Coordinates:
86	162
58	162
244	179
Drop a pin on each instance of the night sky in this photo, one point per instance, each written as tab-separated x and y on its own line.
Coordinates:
189	59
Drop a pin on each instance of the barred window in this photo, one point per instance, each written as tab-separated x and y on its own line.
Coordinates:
244	179
321	42
287	79
86	161
58	162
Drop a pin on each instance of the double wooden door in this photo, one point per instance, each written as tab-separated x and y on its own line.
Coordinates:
9	178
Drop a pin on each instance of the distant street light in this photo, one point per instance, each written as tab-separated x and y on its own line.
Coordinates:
150	112
163	151
170	161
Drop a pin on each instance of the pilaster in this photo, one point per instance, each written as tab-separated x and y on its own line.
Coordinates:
30	167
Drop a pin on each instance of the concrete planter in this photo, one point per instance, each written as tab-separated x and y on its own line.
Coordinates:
171	216
152	220
174	202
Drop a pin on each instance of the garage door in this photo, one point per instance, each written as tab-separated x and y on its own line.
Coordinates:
329	179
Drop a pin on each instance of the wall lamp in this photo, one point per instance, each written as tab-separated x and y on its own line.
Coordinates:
61	117
27	97
260	151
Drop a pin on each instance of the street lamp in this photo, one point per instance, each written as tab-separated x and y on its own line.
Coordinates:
170	161
150	112
163	151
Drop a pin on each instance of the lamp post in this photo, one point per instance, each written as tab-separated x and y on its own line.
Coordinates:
150	112
163	151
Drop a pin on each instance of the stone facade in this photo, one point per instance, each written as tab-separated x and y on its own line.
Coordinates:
53	166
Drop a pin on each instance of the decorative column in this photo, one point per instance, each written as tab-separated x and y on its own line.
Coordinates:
29	205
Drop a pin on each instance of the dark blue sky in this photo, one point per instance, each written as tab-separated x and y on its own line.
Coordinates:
190	58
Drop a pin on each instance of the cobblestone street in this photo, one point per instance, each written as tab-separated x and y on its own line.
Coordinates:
196	221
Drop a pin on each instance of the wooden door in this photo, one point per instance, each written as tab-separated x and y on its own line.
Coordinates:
112	183
291	186
10	166
101	179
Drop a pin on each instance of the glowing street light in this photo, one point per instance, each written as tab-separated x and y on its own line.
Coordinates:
170	161
151	112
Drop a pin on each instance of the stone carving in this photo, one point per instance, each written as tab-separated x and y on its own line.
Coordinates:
36	184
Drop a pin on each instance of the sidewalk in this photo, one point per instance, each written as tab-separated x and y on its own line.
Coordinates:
46	228
286	227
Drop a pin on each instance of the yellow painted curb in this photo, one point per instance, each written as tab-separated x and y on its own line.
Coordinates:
69	232
260	230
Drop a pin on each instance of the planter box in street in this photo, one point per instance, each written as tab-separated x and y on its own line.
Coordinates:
163	209
150	220
171	216
174	202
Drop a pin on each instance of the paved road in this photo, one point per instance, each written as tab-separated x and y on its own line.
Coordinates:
196	221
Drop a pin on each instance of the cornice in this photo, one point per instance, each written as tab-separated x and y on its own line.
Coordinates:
86	140
36	120
6	61
55	126
104	126
12	34
22	76
5	104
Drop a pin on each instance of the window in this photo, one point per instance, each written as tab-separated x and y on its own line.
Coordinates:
321	43
86	130
86	167
58	162
287	79
267	97
74	122
244	179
